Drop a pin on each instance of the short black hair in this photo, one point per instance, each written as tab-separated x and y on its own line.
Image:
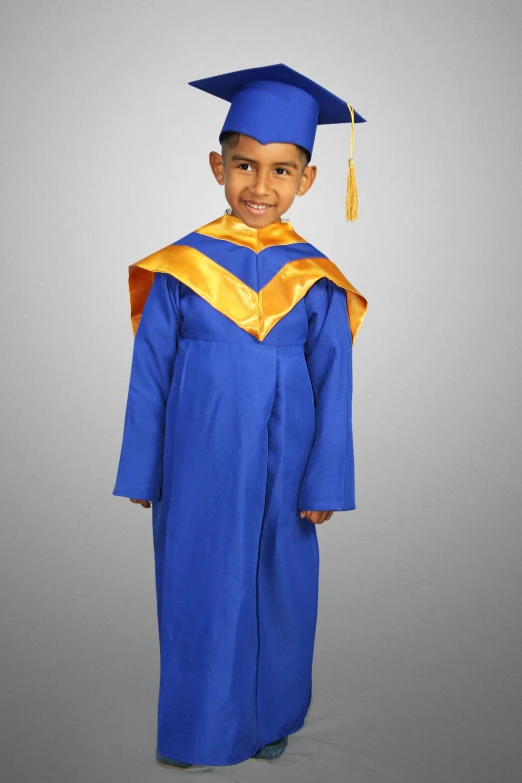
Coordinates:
229	139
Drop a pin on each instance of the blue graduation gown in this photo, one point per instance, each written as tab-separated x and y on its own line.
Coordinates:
238	416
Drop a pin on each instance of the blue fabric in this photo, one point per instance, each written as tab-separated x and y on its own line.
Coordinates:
231	437
254	269
270	111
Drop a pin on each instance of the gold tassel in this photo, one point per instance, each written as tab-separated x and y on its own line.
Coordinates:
352	198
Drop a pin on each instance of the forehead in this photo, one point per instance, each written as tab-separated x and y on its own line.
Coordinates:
271	152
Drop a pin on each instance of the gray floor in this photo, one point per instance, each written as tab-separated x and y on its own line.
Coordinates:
410	685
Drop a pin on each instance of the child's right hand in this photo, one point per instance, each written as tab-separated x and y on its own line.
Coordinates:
144	503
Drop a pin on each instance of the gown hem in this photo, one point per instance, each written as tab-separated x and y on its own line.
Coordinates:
297	727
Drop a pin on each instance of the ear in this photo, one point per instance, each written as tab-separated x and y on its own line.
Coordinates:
307	179
217	166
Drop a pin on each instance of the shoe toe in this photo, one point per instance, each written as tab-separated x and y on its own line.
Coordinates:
171	763
273	750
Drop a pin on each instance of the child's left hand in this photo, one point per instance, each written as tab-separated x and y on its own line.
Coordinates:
317	517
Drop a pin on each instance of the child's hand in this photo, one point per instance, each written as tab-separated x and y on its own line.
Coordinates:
317	517
144	503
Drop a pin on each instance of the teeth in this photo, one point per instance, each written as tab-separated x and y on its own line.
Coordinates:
256	206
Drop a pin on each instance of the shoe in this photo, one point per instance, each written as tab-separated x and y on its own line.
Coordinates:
171	763
272	751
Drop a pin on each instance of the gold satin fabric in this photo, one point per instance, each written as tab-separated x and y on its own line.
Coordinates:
256	313
232	229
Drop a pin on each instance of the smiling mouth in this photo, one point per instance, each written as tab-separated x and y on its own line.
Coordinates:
258	208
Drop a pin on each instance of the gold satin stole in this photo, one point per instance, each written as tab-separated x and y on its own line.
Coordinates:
255	312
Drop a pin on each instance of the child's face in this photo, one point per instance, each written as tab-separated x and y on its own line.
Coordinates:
270	174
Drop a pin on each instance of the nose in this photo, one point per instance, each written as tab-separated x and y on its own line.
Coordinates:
261	185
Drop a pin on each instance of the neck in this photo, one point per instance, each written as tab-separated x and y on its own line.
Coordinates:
230	212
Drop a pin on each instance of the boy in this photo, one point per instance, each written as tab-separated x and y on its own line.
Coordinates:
238	431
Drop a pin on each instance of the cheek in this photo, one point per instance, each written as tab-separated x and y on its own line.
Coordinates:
234	181
288	186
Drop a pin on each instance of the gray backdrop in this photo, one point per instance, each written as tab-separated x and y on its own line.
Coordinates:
105	160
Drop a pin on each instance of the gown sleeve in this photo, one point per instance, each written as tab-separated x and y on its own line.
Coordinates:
155	343
329	481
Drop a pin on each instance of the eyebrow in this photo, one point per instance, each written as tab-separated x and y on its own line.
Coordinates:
280	163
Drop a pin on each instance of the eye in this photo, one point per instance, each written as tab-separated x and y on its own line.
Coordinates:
243	164
285	170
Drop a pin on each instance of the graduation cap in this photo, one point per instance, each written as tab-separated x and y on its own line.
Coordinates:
274	103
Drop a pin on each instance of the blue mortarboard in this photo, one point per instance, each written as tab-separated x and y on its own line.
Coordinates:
274	103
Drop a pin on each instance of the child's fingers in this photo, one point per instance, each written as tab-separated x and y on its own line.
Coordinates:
317	517
144	503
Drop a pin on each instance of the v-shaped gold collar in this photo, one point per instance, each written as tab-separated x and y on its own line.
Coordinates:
255	312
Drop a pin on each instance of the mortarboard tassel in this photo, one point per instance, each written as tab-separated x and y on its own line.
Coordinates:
352	199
